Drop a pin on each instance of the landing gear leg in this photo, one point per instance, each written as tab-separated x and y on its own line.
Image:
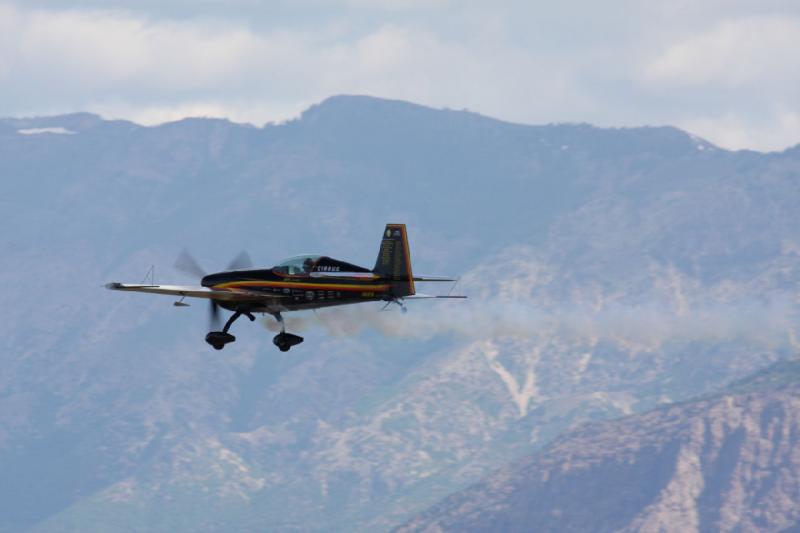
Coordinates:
399	302
218	339
284	341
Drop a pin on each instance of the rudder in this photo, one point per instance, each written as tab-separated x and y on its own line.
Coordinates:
394	260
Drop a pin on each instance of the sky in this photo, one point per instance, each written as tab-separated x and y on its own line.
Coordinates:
725	70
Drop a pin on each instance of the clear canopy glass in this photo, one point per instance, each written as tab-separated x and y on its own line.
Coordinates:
297	265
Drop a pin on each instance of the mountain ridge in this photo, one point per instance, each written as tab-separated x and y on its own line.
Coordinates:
354	106
604	279
703	447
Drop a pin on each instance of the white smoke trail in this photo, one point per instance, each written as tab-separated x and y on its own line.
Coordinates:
770	323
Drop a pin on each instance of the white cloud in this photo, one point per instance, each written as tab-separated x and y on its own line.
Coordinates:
391	5
114	63
515	61
256	112
99	50
738	80
736	132
733	53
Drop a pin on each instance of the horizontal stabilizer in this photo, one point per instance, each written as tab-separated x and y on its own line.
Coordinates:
434	278
427	296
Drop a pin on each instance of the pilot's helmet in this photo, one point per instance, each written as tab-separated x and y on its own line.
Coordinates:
308	264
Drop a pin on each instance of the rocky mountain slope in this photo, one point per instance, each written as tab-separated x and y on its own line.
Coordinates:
726	463
609	271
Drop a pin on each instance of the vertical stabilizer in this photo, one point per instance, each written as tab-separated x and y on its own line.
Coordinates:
394	260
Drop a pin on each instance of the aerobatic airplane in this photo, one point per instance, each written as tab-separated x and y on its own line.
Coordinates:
298	283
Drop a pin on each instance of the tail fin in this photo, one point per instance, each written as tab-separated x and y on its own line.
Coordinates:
394	260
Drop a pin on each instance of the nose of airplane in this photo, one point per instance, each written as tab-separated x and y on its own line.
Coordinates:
210	280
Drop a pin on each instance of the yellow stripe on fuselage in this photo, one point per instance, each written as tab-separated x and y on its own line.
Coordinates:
301	285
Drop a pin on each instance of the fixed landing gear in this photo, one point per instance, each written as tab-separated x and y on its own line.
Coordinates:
399	302
218	339
284	341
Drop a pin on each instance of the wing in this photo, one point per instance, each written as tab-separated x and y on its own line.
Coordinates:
194	291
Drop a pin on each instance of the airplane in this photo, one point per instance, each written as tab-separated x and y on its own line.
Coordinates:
298	283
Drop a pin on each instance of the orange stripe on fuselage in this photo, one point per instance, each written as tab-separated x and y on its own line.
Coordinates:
300	285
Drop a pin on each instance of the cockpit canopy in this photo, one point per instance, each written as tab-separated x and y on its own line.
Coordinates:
304	265
297	265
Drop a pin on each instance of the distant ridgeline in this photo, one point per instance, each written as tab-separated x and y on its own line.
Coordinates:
685	467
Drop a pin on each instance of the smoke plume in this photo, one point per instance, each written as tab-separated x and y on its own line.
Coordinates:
771	323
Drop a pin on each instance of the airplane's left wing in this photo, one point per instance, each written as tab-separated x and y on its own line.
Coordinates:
191	291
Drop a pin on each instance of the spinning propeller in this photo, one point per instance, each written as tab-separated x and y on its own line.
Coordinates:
188	265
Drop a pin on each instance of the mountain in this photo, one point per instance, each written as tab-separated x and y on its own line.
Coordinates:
609	271
726	463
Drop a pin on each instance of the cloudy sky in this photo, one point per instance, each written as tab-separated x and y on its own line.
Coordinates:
727	70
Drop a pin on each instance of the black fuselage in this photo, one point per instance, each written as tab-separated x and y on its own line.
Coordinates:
301	291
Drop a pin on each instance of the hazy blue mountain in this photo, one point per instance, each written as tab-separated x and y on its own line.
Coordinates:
726	463
609	271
